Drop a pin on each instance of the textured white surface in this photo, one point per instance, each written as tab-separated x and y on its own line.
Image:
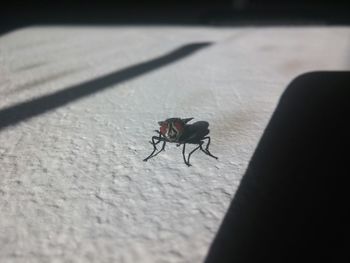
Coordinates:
73	187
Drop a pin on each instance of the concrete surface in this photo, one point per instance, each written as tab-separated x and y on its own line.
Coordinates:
79	105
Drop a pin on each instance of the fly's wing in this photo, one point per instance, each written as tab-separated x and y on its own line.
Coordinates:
195	132
187	120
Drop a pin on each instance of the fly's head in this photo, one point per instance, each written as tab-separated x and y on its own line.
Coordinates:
173	128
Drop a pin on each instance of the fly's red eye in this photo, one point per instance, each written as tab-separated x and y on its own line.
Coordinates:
163	128
179	126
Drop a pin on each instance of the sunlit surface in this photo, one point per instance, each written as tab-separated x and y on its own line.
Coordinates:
79	105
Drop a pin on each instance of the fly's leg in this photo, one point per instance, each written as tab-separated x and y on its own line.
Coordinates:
160	136
183	155
155	148
207	147
206	150
195	149
154	143
163	149
208	153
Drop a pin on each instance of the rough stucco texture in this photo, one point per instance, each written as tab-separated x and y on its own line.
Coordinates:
73	186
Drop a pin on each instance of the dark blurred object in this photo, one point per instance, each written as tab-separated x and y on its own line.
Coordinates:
221	12
292	205
288	12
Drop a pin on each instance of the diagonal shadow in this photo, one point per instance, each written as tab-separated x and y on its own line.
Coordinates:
25	110
37	82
